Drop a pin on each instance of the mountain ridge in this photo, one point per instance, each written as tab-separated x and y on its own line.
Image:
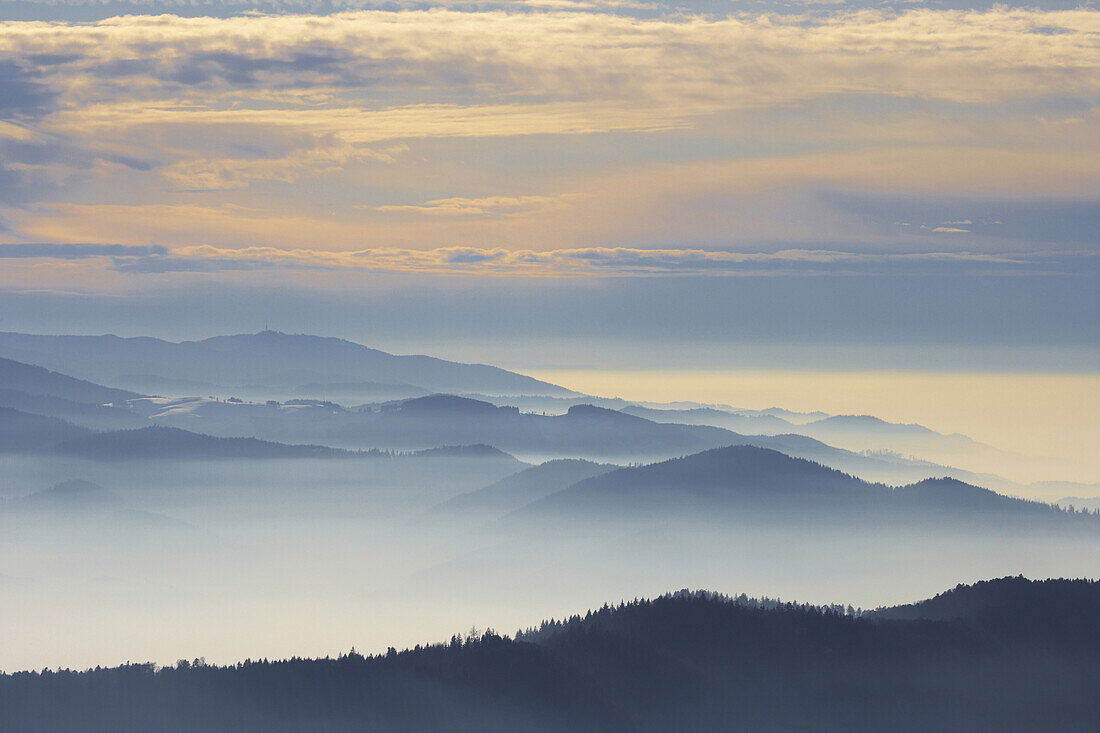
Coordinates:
277	359
35	380
750	481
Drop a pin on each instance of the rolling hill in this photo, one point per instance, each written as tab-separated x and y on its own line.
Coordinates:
97	417
512	492
24	431
17	376
1017	606
64	498
172	443
749	483
268	360
738	422
584	431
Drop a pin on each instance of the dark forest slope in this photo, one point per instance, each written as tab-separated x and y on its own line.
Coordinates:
689	661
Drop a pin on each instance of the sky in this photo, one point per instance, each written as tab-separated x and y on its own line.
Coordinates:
563	184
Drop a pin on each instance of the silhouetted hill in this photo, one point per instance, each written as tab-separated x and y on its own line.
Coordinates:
158	442
512	492
798	418
1080	502
852	432
1012	605
478	450
685	661
741	423
605	413
734	478
871	429
870	422
866	432
265	359
353	392
36	380
67	496
173	443
584	431
444	405
22	431
750	482
961	496
86	517
96	417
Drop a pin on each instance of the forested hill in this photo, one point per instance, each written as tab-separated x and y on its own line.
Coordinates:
687	661
1015	607
754	484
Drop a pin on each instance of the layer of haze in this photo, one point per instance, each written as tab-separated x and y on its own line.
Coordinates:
1055	416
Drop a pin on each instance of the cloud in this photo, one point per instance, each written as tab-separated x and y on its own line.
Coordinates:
389	128
580	262
624	73
77	251
22	95
762	202
211	174
324	93
486	206
475	257
67	10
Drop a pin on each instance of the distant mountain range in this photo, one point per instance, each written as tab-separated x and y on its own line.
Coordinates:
1007	655
172	443
513	492
91	517
270	365
269	360
35	434
745	482
585	431
1092	503
308	426
855	432
738	422
871	432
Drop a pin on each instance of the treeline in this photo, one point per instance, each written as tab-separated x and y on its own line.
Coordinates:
615	614
685	661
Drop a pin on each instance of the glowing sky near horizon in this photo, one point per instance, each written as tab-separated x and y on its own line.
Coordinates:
1048	416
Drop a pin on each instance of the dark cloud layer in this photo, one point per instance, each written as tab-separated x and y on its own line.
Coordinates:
22	95
49	250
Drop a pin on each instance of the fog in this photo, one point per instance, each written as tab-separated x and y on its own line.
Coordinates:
229	559
144	528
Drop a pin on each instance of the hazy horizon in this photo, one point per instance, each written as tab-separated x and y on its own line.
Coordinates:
1059	408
